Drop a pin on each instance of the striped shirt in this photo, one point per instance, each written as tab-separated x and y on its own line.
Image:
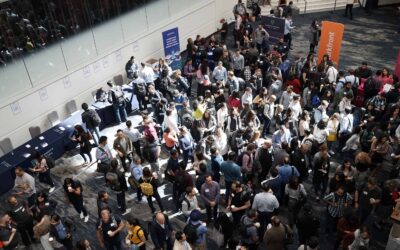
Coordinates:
337	211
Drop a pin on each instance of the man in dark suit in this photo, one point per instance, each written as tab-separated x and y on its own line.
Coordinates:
123	146
161	232
299	158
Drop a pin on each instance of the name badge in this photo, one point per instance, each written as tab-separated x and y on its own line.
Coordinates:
365	193
302	159
47	204
112	225
207	190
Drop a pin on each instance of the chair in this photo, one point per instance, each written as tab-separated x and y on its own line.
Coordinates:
53	118
118	80
34	131
71	107
6	145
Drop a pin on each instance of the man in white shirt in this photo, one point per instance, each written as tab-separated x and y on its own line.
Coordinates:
287	32
269	109
247	97
134	135
295	106
220	74
287	97
147	73
331	72
25	185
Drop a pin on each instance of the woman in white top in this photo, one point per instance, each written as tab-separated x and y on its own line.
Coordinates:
222	115
320	132
295	106
345	103
353	143
221	141
332	126
170	121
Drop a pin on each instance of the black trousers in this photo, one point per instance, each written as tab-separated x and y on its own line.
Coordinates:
25	229
142	102
212	212
349	7
45	177
288	39
121	200
79	207
136	144
156	195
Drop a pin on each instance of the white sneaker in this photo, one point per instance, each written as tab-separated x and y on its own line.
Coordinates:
52	190
82	216
86	218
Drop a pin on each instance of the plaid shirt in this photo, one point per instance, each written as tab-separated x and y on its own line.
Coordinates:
337	212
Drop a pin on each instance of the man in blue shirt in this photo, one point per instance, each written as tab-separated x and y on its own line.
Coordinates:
216	161
286	171
231	173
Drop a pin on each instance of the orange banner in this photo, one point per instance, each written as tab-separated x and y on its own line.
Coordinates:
330	41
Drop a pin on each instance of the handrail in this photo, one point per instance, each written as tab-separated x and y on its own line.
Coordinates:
334	6
305	7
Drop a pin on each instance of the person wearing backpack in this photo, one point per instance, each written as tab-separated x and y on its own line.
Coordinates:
161	232
148	185
43	164
92	121
189	201
140	90
116	97
137	235
115	179
195	231
108	229
248	229
239	201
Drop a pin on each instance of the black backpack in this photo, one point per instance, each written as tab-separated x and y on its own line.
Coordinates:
94	117
190	231
239	159
180	181
113	181
242	229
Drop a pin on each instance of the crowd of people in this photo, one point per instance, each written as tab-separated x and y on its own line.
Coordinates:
268	136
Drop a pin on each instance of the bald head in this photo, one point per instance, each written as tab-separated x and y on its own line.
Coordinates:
160	218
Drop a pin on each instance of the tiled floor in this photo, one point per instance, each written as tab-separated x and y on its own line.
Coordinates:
369	38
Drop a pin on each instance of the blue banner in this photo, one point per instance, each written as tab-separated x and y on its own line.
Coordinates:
172	49
274	26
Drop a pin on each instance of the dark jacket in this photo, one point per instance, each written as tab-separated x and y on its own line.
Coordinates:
298	159
160	235
118	145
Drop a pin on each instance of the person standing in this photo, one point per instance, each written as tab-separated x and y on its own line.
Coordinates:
265	203
148	185
8	234
92	121
42	166
161	232
237	63
196	231
180	242
231	173
239	201
108	230
123	146
337	202
117	99
117	182
275	236
134	135
367	197
135	237
210	192
59	232
103	155
287	32
136	174
25	185
82	137
21	215
73	191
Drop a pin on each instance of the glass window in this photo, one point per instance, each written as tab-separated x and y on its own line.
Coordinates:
13	79
157	12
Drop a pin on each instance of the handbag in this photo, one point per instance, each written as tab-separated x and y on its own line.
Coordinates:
331	137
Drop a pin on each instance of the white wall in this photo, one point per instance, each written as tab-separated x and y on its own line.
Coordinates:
78	83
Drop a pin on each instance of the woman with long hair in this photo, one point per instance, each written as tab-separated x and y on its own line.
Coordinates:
135	238
82	137
73	191
380	148
251	120
296	195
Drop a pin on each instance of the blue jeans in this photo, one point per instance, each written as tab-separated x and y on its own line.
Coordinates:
97	132
267	123
120	112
